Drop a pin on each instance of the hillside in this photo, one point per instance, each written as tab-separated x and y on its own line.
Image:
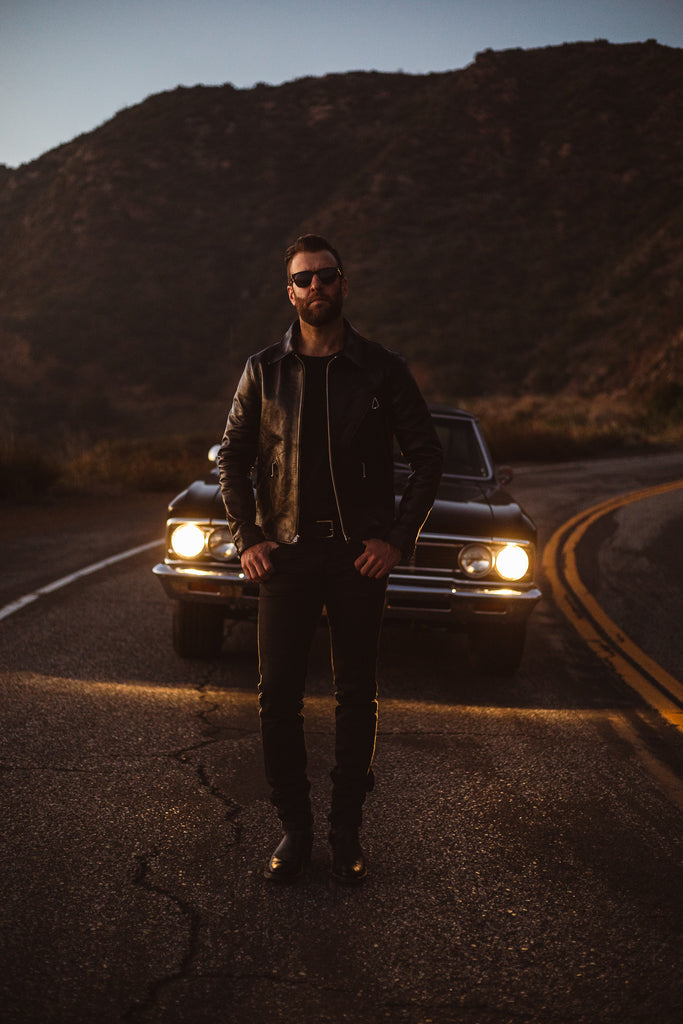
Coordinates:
512	227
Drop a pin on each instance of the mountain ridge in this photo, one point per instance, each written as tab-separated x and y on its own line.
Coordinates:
511	227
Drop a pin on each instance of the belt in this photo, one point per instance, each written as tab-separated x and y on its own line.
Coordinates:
321	529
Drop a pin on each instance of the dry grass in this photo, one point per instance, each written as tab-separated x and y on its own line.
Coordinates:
27	474
532	428
560	427
135	465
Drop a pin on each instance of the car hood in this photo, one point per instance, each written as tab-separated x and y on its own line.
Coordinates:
473	509
462	507
201	500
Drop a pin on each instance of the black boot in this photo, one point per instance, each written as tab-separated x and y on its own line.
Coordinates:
291	857
348	861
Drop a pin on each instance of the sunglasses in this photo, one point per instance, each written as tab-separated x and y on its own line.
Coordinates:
326	275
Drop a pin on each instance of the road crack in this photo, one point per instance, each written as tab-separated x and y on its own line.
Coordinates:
143	864
214	734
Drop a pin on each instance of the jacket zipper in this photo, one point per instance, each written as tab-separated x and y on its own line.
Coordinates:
298	449
329	447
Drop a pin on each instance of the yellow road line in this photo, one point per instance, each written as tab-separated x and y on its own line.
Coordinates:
668	781
652	682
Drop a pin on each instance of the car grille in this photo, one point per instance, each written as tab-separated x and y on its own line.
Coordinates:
433	555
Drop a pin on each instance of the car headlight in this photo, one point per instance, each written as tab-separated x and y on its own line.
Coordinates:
187	540
475	560
221	544
512	562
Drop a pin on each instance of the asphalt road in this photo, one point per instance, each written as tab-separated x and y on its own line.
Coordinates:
524	837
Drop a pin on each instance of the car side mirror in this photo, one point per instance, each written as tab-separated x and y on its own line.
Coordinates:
504	475
213	452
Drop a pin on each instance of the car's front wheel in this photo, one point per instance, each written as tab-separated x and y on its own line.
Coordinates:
498	648
197	630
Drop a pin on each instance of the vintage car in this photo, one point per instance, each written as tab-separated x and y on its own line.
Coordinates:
473	569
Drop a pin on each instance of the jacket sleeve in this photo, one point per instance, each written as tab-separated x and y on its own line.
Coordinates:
415	432
237	457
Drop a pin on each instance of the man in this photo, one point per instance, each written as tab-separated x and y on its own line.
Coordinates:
316	414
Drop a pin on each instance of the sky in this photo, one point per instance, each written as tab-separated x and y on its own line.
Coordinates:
67	66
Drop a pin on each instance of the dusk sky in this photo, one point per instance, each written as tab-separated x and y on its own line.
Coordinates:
66	66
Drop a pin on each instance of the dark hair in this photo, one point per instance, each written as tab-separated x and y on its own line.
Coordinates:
310	243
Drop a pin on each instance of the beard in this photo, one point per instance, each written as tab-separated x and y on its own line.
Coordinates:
326	311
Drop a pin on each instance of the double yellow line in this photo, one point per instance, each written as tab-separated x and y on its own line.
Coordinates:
654	684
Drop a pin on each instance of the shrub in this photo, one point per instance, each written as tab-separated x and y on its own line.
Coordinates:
26	474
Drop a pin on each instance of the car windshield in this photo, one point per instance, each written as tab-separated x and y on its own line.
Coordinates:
462	450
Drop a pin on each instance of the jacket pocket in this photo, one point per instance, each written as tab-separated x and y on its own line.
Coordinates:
266	468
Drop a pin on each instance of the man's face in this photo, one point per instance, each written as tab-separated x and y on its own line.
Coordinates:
318	304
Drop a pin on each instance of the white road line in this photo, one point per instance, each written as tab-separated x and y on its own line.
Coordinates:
21	602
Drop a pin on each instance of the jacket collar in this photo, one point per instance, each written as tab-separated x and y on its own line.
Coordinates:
353	344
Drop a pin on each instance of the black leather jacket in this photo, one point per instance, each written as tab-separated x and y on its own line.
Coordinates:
371	397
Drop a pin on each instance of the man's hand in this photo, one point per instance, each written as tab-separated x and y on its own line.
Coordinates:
256	562
378	559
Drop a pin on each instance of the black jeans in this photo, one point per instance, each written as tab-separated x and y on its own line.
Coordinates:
308	576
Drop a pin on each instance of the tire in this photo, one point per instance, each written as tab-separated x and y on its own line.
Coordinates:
197	630
497	649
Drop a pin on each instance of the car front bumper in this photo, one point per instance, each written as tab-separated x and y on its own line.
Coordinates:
225	586
452	602
435	597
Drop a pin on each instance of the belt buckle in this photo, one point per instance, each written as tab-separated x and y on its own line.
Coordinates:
320	526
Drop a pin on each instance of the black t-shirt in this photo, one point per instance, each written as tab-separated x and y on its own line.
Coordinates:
315	480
